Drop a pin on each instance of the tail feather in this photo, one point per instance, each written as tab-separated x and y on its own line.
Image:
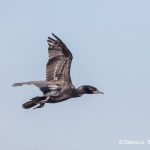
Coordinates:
34	101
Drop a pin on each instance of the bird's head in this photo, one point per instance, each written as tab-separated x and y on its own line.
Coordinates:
87	89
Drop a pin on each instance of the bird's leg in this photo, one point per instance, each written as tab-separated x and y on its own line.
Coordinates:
42	103
40	106
45	101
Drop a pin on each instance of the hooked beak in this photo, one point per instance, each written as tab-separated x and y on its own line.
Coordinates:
98	92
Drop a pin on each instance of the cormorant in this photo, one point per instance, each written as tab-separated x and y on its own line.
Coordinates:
58	86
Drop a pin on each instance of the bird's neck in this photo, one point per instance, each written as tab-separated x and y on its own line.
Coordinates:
81	91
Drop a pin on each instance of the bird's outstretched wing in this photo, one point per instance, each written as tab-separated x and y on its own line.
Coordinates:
42	85
59	63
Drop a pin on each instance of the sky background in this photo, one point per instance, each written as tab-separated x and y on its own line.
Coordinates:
110	42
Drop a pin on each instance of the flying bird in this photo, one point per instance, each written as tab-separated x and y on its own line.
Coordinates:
58	86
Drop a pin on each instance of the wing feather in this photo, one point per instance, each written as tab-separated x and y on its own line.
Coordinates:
59	63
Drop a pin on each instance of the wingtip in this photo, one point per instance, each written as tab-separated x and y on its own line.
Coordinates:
49	38
58	39
13	84
17	84
53	34
53	40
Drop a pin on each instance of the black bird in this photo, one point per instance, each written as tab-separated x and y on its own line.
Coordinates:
58	86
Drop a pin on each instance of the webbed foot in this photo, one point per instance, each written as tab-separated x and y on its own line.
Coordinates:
40	106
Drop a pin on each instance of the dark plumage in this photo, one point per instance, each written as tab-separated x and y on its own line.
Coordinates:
58	86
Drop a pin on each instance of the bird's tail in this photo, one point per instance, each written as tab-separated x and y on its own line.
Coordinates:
34	101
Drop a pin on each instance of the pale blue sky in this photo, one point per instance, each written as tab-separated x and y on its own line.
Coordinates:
110	42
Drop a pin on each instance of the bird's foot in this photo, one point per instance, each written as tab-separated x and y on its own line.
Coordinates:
40	106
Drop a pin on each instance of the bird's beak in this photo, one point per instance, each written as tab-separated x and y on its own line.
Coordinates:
98	92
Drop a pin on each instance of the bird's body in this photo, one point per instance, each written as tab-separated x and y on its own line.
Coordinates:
58	85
